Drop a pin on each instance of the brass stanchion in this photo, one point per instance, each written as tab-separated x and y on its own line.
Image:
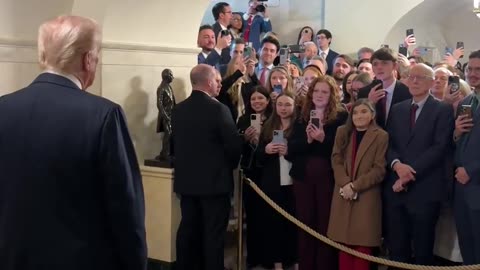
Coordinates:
240	220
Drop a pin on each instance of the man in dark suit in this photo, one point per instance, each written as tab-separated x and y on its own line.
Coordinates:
207	148
420	132
222	13
71	195
324	39
390	91
212	47
467	175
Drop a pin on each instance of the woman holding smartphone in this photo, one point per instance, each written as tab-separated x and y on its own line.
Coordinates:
359	166
279	81
310	149
280	236
257	112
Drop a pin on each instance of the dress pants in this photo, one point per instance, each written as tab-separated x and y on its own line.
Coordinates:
202	231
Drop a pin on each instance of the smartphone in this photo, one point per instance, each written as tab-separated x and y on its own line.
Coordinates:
283	56
314	119
454	83
224	33
384	46
301	80
277	89
467	109
460	45
402	50
377	82
295	48
256	121
247	52
278	136
448	50
409	32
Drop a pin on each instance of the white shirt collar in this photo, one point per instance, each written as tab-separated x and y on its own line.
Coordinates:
421	103
391	87
72	78
326	51
223	27
260	66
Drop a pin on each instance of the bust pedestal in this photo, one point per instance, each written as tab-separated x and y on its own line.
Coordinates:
163	214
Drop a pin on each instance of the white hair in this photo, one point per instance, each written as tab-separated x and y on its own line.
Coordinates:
64	40
444	70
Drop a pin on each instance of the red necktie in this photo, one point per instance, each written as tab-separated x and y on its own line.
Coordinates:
246	34
263	76
413	114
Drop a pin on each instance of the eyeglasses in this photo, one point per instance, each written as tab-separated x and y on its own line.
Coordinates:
418	78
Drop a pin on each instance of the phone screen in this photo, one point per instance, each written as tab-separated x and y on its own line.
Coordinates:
247	52
277	89
409	32
402	50
460	45
454	82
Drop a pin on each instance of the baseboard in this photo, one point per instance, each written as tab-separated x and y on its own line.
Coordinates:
154	264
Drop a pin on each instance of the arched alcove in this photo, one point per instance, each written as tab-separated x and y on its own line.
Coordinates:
438	24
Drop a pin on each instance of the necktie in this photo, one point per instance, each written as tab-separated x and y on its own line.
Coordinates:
323	55
383	106
474	104
246	34
413	115
263	76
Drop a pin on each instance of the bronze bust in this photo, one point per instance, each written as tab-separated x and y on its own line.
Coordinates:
165	104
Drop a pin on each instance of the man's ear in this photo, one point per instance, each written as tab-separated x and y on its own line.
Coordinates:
87	59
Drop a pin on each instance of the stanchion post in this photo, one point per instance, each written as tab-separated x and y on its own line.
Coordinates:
240	221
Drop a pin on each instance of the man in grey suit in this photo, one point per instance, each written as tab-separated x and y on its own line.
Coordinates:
420	132
467	160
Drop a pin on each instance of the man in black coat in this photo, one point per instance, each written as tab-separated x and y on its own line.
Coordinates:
390	91
71	195
207	148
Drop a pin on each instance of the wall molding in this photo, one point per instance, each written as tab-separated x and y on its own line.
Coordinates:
110	45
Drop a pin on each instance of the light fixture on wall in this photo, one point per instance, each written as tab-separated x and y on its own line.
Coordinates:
476	7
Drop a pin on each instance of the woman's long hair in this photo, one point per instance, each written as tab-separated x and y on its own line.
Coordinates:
349	126
281	69
303	29
274	122
333	107
233	91
347	96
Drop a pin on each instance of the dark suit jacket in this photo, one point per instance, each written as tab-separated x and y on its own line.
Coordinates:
71	194
225	52
400	93
214	59
259	26
330	58
469	158
207	146
422	148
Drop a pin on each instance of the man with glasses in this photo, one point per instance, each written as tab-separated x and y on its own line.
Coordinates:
222	13
324	39
467	160
420	132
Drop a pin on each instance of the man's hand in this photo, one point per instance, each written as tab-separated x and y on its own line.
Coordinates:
450	97
376	94
409	41
404	171
463	124
223	42
461	175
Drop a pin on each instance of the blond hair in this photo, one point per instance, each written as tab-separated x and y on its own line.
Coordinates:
63	41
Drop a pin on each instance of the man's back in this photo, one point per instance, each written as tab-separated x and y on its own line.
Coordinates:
206	146
70	192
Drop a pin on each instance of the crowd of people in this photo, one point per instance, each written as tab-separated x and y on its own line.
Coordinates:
367	151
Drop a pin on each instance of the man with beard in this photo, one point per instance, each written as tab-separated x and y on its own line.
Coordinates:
342	65
467	160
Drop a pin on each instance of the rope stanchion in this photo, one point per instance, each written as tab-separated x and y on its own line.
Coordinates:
348	250
240	221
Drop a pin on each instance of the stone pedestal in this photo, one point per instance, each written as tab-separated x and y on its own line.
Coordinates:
162	213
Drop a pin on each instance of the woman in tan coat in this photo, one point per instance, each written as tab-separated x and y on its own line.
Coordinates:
358	161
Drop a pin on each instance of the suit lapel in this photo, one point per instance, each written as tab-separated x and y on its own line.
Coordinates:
366	142
423	116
